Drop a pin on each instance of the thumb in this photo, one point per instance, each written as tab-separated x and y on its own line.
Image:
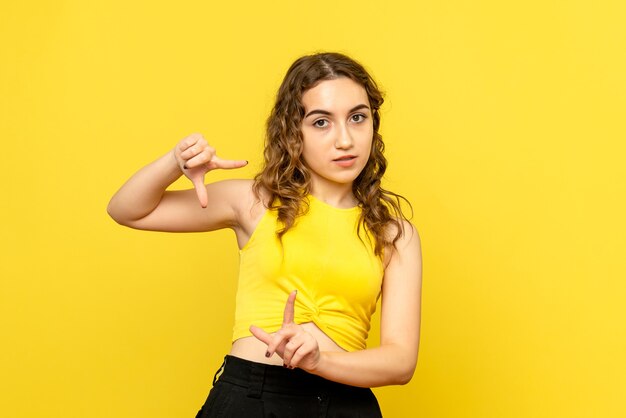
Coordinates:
217	162
198	184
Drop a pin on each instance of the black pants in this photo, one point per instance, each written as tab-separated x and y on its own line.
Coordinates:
246	389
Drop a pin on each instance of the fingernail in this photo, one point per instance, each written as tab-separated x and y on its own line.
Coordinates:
246	161
267	354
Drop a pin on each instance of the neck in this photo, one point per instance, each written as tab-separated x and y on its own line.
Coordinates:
337	195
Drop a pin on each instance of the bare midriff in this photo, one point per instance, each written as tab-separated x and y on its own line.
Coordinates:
249	348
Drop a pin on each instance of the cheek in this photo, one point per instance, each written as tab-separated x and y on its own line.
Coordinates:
309	154
313	143
366	142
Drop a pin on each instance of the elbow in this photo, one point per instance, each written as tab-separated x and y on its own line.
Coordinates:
406	355
113	214
122	218
404	375
116	215
405	370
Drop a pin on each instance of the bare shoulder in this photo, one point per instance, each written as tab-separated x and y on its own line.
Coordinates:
410	235
407	245
248	205
237	193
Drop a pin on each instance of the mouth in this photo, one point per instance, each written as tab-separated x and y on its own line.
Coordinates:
345	158
345	161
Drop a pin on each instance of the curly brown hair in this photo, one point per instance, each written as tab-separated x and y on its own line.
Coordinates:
285	176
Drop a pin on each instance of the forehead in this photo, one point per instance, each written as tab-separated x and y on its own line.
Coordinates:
335	95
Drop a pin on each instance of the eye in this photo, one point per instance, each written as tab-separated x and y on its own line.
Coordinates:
320	123
358	118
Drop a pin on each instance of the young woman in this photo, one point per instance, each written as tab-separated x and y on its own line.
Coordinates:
320	240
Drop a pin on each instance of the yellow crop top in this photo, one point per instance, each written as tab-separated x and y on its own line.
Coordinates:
338	277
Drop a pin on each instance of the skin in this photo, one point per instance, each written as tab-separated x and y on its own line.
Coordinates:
337	124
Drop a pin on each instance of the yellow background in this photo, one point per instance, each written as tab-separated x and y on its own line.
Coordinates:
505	127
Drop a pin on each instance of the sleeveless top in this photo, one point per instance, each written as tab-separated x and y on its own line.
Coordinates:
337	275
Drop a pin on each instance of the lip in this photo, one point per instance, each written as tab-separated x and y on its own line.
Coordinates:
345	160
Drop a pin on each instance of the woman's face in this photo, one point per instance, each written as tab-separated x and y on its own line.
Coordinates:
337	129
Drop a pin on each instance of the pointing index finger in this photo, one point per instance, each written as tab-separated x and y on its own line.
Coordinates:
228	164
288	316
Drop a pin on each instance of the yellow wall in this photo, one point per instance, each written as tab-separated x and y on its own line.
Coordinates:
505	126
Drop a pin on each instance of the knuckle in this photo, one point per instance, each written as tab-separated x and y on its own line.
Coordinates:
191	139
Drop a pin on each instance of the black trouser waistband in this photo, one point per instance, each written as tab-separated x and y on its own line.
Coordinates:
258	377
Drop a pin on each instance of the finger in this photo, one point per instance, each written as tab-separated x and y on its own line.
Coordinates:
260	334
277	345
198	148
308	348
217	162
292	346
203	157
189	141
288	315
198	184
273	341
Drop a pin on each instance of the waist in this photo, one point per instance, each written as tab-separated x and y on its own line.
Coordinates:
250	348
269	378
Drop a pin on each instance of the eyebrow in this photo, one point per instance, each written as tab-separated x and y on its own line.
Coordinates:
327	113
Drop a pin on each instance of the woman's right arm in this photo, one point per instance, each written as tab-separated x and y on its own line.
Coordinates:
143	202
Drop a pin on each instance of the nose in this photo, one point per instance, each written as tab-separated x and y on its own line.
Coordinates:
344	138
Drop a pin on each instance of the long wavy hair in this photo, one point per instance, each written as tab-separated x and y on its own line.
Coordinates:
287	179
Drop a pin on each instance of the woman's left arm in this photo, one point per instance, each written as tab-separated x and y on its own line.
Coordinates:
394	361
